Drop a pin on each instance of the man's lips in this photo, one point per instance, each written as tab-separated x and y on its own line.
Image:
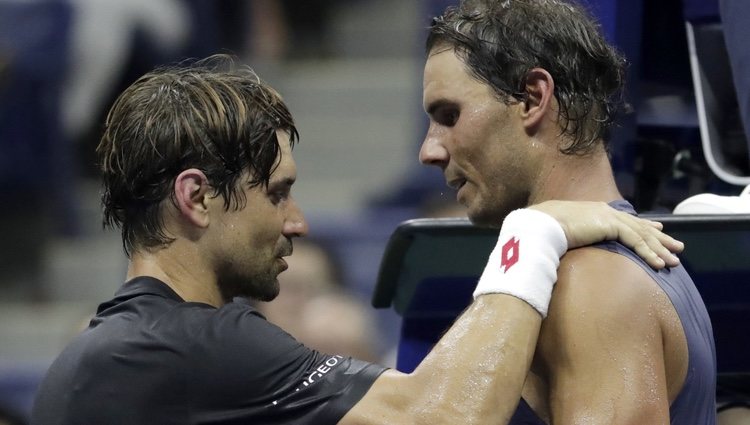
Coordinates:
286	251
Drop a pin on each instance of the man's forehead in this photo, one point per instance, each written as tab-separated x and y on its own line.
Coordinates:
439	62
447	78
286	170
284	139
436	77
446	68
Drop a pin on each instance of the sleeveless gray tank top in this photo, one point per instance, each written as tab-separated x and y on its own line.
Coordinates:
696	403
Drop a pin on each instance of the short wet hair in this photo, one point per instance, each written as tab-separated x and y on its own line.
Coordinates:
214	114
500	41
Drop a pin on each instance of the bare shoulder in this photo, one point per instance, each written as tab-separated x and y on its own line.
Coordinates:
605	307
603	283
600	349
599	298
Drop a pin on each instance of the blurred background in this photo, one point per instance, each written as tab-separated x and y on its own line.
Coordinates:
350	72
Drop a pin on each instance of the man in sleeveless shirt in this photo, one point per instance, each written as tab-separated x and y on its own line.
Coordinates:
521	95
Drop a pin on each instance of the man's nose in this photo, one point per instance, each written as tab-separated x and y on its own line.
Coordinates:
295	224
432	151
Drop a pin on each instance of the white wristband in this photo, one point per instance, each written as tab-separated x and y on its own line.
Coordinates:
525	260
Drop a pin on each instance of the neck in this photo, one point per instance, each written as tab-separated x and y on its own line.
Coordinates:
576	178
181	269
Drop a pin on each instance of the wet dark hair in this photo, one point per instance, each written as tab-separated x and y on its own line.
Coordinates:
500	41
214	114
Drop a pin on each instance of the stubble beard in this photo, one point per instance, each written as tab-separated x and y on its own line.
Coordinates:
491	214
260	286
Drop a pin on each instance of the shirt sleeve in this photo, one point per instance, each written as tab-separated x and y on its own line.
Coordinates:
248	370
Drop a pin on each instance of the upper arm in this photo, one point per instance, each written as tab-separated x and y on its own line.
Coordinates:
601	346
473	375
383	404
396	398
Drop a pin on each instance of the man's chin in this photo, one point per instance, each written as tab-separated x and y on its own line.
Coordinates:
258	291
492	212
264	296
485	219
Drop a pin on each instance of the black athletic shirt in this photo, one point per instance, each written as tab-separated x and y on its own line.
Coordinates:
149	357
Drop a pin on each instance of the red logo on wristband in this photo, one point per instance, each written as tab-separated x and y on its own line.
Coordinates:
509	254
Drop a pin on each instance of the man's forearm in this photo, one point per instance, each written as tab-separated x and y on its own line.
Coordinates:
478	368
474	375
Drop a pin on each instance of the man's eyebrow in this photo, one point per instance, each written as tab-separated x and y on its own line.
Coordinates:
436	104
286	182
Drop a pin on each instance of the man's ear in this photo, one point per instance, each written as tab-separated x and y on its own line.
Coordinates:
191	191
540	92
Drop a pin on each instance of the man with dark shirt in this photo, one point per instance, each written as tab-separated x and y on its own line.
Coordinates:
198	170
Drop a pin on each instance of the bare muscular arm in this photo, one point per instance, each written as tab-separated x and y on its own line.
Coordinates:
476	372
473	375
601	347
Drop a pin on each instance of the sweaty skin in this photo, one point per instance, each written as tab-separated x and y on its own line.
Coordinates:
611	349
474	373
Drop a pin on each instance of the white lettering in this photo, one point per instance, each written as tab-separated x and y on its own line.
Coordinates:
321	371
